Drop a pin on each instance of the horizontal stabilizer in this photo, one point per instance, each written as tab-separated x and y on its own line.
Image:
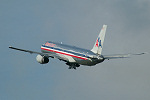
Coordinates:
115	56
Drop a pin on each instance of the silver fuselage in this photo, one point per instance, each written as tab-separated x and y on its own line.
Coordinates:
72	54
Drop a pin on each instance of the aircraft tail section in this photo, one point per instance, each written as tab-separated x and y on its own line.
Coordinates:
97	48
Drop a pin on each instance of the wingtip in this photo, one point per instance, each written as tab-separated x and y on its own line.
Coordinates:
142	53
145	52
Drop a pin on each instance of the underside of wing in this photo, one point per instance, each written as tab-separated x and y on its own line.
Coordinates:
115	56
24	50
34	52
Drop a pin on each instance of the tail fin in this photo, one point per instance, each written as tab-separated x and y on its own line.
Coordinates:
97	48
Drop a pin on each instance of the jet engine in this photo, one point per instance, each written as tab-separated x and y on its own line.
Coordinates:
42	59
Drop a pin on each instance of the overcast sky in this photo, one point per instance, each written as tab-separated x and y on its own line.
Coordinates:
29	23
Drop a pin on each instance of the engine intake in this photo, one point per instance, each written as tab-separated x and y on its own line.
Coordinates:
42	59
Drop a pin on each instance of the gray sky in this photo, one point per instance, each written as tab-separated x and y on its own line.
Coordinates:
28	24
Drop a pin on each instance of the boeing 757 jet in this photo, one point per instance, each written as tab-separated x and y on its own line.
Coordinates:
75	56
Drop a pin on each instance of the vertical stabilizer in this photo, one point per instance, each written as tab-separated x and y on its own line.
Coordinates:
97	48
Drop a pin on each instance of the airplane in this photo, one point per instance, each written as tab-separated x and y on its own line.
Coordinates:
75	56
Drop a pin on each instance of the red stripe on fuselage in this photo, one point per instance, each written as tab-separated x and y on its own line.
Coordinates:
63	53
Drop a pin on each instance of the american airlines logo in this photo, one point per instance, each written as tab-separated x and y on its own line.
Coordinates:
49	44
98	42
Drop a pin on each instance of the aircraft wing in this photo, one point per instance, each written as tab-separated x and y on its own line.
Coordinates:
24	50
31	52
115	56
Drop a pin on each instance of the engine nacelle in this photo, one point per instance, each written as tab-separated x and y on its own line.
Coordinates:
42	59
